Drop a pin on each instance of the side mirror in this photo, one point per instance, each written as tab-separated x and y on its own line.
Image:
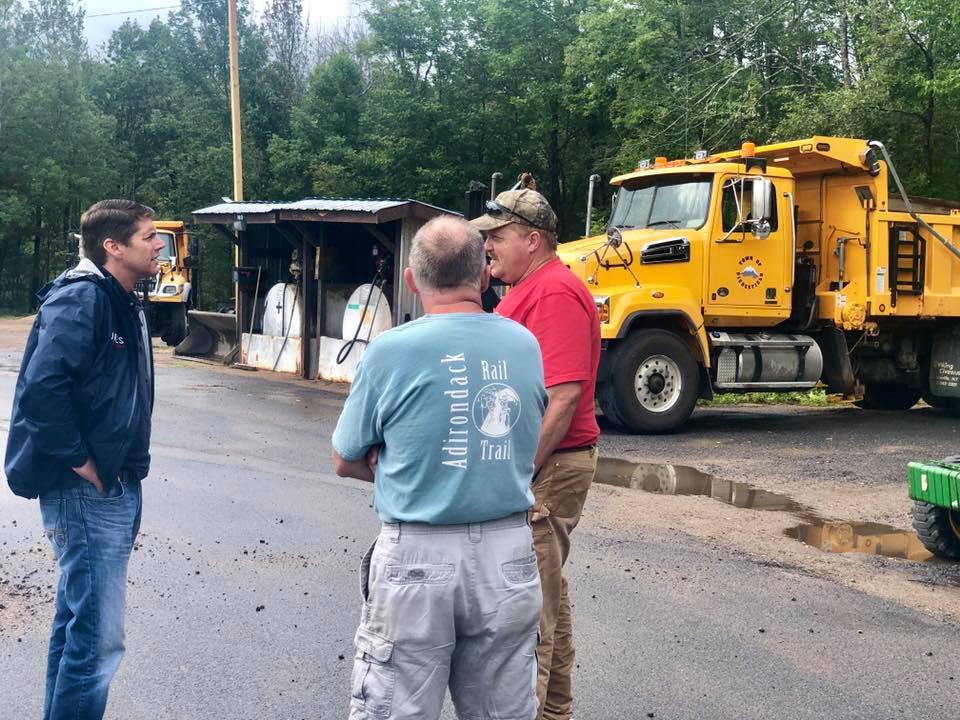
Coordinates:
761	229
762	200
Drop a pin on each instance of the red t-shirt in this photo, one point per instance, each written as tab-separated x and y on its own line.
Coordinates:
557	308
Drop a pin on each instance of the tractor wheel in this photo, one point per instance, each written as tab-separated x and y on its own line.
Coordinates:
938	529
889	396
653	385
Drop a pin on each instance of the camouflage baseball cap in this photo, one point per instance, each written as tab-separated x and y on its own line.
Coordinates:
524	207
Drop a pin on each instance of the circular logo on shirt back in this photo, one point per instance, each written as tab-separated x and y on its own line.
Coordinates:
496	409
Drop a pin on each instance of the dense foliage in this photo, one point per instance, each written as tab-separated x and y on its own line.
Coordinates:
427	95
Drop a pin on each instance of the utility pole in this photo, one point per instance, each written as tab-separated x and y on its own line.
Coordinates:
237	147
235	100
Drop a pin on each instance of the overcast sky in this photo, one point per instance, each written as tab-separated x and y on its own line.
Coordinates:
103	16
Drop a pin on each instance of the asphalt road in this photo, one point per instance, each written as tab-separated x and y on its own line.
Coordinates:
242	512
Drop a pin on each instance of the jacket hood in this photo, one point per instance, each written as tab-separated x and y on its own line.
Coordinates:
86	269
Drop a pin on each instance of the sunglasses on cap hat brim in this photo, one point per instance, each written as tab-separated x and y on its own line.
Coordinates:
497	210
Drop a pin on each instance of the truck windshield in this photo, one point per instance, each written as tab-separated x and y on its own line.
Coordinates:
170	250
677	202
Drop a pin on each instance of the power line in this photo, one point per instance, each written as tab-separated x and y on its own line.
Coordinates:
134	12
348	16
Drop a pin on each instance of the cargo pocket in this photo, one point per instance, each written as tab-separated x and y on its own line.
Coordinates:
374	676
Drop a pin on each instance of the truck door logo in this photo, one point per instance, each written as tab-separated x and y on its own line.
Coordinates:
750	274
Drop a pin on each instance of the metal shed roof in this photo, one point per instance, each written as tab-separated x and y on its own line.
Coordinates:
320	210
239	208
353	205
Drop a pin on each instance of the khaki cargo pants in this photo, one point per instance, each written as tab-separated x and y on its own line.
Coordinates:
560	490
448	605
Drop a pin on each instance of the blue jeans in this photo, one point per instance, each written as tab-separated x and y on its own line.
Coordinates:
92	536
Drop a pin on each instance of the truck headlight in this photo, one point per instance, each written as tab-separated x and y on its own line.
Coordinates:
603	307
169	290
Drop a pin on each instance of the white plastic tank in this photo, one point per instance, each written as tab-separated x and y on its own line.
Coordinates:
281	311
371	317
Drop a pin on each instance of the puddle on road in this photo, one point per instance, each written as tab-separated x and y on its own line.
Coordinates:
836	536
682	480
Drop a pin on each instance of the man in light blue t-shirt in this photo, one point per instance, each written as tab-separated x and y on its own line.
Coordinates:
444	417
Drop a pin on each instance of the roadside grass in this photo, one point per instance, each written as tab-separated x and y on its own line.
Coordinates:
810	398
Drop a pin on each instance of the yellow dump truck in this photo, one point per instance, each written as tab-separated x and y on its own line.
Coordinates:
773	268
168	295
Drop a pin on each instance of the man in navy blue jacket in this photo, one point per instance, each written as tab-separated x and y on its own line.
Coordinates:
80	439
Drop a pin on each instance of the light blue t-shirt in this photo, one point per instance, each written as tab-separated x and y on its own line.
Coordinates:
457	400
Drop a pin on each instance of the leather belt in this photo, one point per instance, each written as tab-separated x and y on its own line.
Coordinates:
581	448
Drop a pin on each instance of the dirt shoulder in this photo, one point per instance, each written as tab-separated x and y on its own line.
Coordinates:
843	468
14	332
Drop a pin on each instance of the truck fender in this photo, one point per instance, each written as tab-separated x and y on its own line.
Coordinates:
650	318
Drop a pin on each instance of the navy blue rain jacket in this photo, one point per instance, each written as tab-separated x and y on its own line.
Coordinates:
85	387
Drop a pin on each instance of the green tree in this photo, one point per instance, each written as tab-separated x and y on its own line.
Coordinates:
54	142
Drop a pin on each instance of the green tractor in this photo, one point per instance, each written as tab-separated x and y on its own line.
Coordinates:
935	491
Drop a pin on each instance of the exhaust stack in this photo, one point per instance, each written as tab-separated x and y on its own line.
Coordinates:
594	179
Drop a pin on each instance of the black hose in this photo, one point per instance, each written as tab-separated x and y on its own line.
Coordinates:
345	350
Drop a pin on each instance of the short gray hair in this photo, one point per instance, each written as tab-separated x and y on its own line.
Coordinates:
447	253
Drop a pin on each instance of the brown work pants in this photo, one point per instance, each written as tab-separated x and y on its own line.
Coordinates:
559	489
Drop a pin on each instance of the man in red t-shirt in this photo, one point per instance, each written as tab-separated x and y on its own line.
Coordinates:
545	297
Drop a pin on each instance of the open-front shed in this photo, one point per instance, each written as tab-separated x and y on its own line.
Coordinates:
317	278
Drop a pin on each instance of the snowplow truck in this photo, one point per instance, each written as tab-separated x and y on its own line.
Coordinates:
168	295
773	268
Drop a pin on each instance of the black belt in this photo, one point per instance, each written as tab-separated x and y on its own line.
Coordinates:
581	448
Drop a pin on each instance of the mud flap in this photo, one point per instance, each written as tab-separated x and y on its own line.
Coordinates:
837	370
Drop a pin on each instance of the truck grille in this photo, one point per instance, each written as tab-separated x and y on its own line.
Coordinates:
148	285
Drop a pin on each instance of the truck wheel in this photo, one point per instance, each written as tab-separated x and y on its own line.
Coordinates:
938	529
653	384
889	396
607	401
175	327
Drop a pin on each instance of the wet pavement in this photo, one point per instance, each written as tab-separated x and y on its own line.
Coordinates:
665	479
243	596
860	537
835	536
